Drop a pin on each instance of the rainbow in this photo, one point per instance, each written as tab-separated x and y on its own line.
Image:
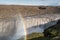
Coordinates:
24	25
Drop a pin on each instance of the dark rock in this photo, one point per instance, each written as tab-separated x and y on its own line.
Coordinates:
52	30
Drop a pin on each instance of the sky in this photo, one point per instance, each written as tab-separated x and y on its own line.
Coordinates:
31	2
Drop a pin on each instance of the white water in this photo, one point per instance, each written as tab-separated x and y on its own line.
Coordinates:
16	25
11	29
20	30
44	20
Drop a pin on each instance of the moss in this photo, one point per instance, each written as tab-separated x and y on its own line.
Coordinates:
35	35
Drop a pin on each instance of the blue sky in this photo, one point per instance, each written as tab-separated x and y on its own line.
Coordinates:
31	2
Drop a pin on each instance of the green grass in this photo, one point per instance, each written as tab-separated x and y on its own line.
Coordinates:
35	35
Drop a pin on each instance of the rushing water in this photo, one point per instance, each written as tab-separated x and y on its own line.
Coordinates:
39	23
11	29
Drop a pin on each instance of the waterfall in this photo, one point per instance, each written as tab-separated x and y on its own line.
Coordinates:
39	24
11	28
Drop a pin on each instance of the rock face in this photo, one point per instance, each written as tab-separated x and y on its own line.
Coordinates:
53	31
13	19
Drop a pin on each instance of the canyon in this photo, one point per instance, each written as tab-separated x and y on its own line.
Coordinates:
16	21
